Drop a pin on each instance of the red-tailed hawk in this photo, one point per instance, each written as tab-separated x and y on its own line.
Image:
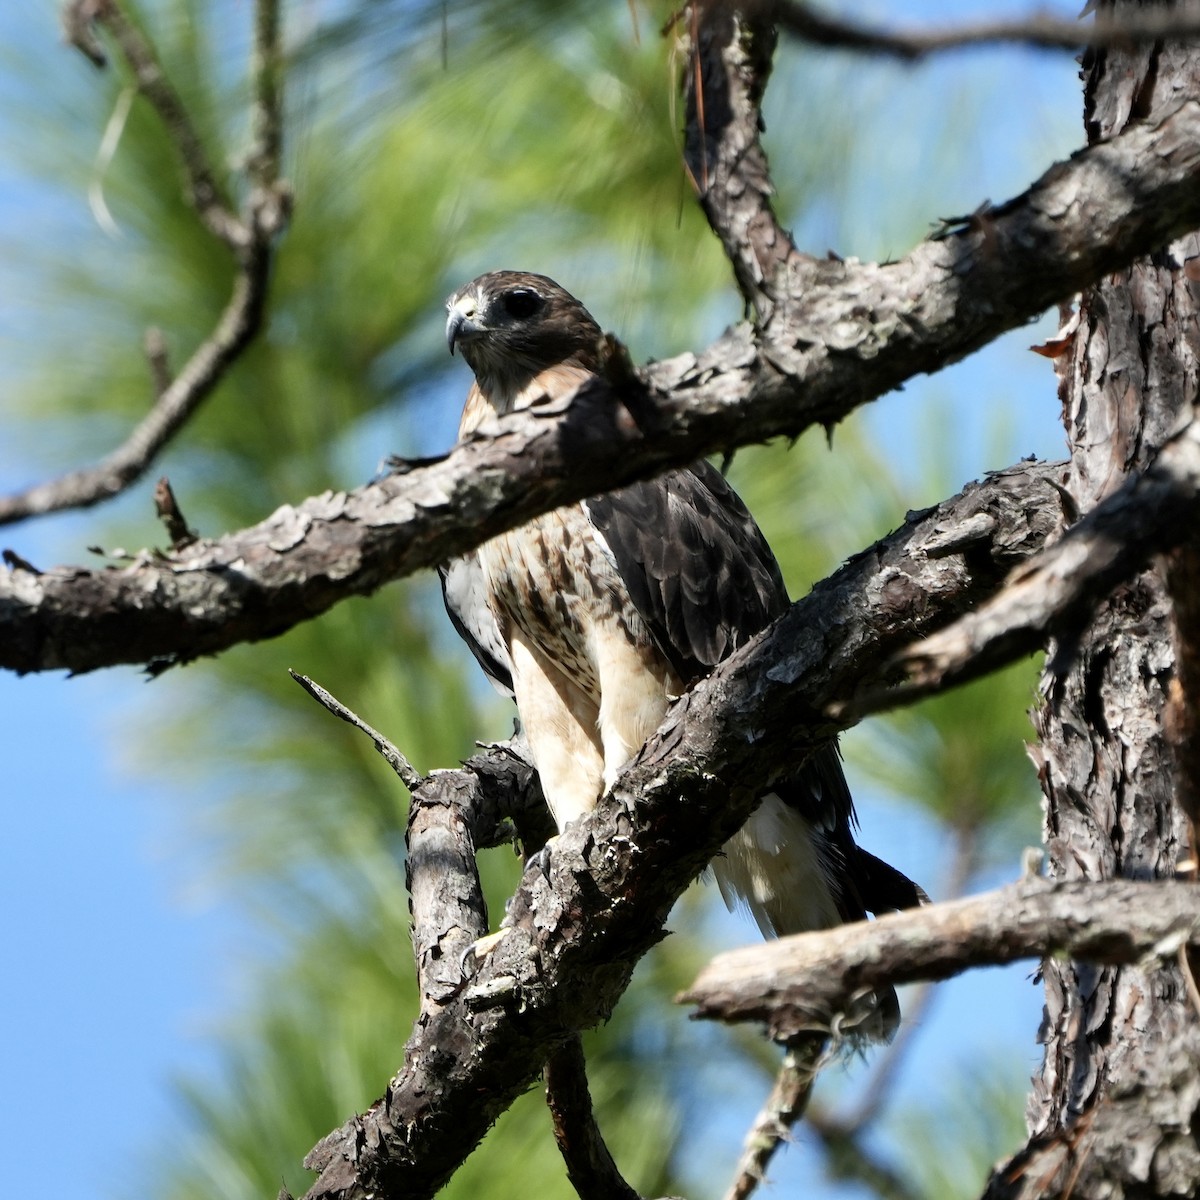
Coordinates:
595	615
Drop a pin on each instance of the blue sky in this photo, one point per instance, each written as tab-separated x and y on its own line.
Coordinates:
122	956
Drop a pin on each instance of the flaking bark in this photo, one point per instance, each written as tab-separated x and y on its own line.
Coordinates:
840	335
1115	1106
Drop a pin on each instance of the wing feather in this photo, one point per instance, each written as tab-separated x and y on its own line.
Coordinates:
697	567
703	578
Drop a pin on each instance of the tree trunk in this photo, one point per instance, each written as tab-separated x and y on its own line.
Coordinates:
1115	1109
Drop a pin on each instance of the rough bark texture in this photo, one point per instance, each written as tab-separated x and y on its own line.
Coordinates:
1116	1106
800	982
573	936
840	334
1060	587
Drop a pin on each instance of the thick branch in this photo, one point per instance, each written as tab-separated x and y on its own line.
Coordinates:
790	983
572	938
846	333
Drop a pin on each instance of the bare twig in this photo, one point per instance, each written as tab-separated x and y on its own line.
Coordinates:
1038	29
248	236
408	774
236	327
204	193
792	982
590	1166
781	1110
169	512
1066	581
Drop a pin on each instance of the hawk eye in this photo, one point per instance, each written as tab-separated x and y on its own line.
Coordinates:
521	302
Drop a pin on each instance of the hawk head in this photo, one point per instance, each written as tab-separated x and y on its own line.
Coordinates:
512	325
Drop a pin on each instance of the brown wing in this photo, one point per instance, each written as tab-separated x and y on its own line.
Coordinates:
703	578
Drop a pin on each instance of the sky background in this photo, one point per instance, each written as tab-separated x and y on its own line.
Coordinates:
123	955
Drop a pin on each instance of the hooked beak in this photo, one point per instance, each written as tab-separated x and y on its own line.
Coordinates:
460	324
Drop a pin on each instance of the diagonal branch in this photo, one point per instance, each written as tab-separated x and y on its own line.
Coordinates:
590	1166
249	238
844	334
573	934
791	982
1065	582
785	1105
203	191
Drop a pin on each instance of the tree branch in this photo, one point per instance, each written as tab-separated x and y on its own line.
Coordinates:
842	334
571	936
790	983
249	238
1066	581
783	1108
1037	29
393	756
729	63
590	1166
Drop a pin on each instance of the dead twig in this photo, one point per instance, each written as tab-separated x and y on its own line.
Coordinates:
780	1112
248	236
408	774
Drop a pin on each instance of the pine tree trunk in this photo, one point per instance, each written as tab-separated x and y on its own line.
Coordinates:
1115	1109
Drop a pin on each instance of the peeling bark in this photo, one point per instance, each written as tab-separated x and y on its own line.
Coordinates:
800	981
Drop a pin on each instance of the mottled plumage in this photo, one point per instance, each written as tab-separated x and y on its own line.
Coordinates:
595	615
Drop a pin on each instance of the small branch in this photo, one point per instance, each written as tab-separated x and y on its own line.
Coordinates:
267	118
783	1108
169	512
590	1166
1038	29
792	982
248	237
236	327
408	774
729	64
204	193
1065	582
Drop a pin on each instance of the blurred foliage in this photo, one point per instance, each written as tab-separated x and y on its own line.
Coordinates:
428	142
984	1107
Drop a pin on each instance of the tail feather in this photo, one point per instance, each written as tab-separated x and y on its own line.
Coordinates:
883	888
